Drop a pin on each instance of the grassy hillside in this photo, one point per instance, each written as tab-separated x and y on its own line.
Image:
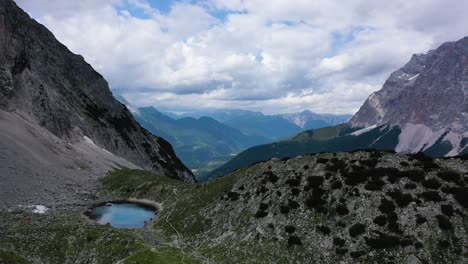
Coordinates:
329	139
361	207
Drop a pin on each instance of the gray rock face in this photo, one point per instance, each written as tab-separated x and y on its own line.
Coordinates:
427	98
431	89
38	168
41	78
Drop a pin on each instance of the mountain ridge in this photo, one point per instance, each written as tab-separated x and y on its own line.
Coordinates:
274	127
63	103
402	113
432	95
202	143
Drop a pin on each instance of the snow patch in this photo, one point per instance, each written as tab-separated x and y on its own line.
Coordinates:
413	77
39	209
408	77
364	130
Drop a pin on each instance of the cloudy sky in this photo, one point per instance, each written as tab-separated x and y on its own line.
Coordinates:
274	56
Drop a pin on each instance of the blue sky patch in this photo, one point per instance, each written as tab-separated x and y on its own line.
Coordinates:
341	39
164	7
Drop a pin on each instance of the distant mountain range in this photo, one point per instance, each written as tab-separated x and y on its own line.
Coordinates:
422	107
205	141
201	143
274	127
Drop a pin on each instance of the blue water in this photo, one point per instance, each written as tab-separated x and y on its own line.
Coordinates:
122	215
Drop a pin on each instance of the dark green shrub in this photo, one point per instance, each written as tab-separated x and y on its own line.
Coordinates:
420	219
289	229
432	183
410	186
447	210
233	196
261	214
263	206
450	176
461	195
315	181
324	229
383	242
294	241
370	162
293	182
336	185
444	222
293	204
380	220
284	209
295	191
322	160
374	185
271	176
341	209
357	254
338	242
357	229
386	206
432	196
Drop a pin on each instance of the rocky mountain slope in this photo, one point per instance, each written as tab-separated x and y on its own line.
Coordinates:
427	99
360	207
422	107
61	106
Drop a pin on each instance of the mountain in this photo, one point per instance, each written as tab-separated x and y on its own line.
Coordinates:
202	144
254	123
274	127
310	120
58	119
206	142
360	207
422	107
330	139
427	99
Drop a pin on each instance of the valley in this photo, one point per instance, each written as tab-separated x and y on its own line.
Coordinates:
86	176
206	141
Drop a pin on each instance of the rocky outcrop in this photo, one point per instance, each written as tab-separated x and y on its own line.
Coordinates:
427	99
342	208
42	79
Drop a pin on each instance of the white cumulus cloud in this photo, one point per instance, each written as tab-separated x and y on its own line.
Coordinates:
273	56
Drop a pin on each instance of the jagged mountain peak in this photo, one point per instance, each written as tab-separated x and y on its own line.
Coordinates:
427	98
431	89
422	107
68	108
